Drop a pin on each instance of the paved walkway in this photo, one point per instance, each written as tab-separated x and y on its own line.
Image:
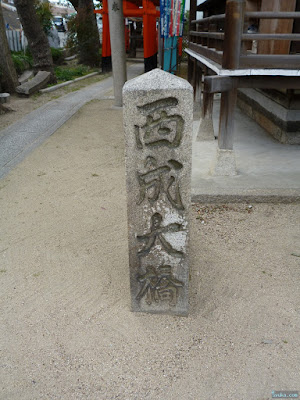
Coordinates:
19	139
267	170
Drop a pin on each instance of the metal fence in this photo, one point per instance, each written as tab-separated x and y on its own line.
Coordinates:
16	40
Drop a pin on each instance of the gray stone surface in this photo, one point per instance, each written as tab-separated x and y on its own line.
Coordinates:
225	164
206	129
118	55
267	171
4	98
67	83
26	76
35	84
158	133
281	122
70	58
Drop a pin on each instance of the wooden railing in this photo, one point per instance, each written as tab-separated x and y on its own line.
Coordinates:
222	39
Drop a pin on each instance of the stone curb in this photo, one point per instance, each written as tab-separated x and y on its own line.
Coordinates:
8	7
135	60
70	58
60	85
247	198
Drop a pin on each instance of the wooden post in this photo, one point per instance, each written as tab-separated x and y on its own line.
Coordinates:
234	23
197	89
206	128
226	122
194	80
193	12
197	96
106	49
190	69
150	43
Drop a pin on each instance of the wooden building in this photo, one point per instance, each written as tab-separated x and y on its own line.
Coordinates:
249	49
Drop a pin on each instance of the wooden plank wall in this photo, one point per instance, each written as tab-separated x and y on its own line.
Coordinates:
276	26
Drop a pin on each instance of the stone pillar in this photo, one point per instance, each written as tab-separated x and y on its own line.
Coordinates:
117	41
158	133
225	158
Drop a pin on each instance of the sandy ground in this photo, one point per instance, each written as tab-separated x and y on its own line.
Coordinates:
66	328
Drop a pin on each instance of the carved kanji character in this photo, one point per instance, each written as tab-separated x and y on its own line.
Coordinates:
157	234
164	129
159	285
160	179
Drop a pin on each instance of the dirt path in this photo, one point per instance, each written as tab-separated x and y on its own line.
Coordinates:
66	328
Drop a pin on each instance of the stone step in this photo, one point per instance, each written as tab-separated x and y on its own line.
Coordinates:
35	84
29	74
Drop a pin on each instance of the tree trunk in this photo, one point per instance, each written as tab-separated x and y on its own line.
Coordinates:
87	33
37	40
8	75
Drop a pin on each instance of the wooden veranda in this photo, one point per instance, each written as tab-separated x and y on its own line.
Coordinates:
236	45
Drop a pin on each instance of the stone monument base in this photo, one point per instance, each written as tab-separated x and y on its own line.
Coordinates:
225	164
206	130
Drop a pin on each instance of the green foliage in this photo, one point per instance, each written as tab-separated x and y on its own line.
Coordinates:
44	14
88	38
186	23
185	35
72	40
21	61
83	37
69	73
57	56
98	4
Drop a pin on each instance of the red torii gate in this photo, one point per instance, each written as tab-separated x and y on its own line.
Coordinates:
131	8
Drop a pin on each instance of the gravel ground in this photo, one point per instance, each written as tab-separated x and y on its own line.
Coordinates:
66	328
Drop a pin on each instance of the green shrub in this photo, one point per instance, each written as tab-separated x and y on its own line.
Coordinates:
21	61
67	74
44	14
72	41
57	56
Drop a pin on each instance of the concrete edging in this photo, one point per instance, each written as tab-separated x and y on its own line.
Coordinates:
60	85
247	198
